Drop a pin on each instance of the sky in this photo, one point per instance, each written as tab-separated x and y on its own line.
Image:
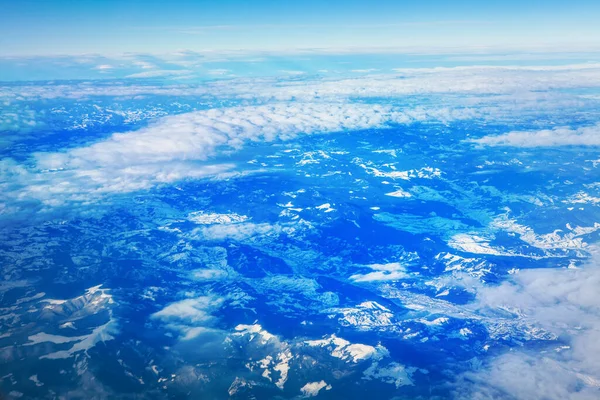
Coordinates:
68	27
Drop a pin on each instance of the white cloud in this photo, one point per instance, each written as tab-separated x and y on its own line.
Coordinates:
522	84
161	73
564	302
394	373
292	72
469	68
144	65
193	311
197	135
459	80
63	186
236	231
191	317
364	71
218	71
382	272
524	376
18	118
176	148
563	136
104	67
211	274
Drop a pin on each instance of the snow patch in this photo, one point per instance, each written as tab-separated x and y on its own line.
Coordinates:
204	218
312	389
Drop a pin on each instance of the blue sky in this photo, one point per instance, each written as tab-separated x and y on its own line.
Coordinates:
112	27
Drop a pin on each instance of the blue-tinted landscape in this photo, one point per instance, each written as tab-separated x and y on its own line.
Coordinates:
320	223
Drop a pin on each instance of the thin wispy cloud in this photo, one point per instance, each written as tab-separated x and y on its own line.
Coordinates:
161	73
199	30
104	67
218	72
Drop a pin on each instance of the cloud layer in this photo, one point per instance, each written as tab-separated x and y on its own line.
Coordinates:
561	301
197	135
180	147
471	80
563	136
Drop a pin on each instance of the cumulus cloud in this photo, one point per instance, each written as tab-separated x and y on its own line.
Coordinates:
382	272
197	135
180	147
524	376
195	310
191	317
562	301
177	147
563	136
24	188
17	118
